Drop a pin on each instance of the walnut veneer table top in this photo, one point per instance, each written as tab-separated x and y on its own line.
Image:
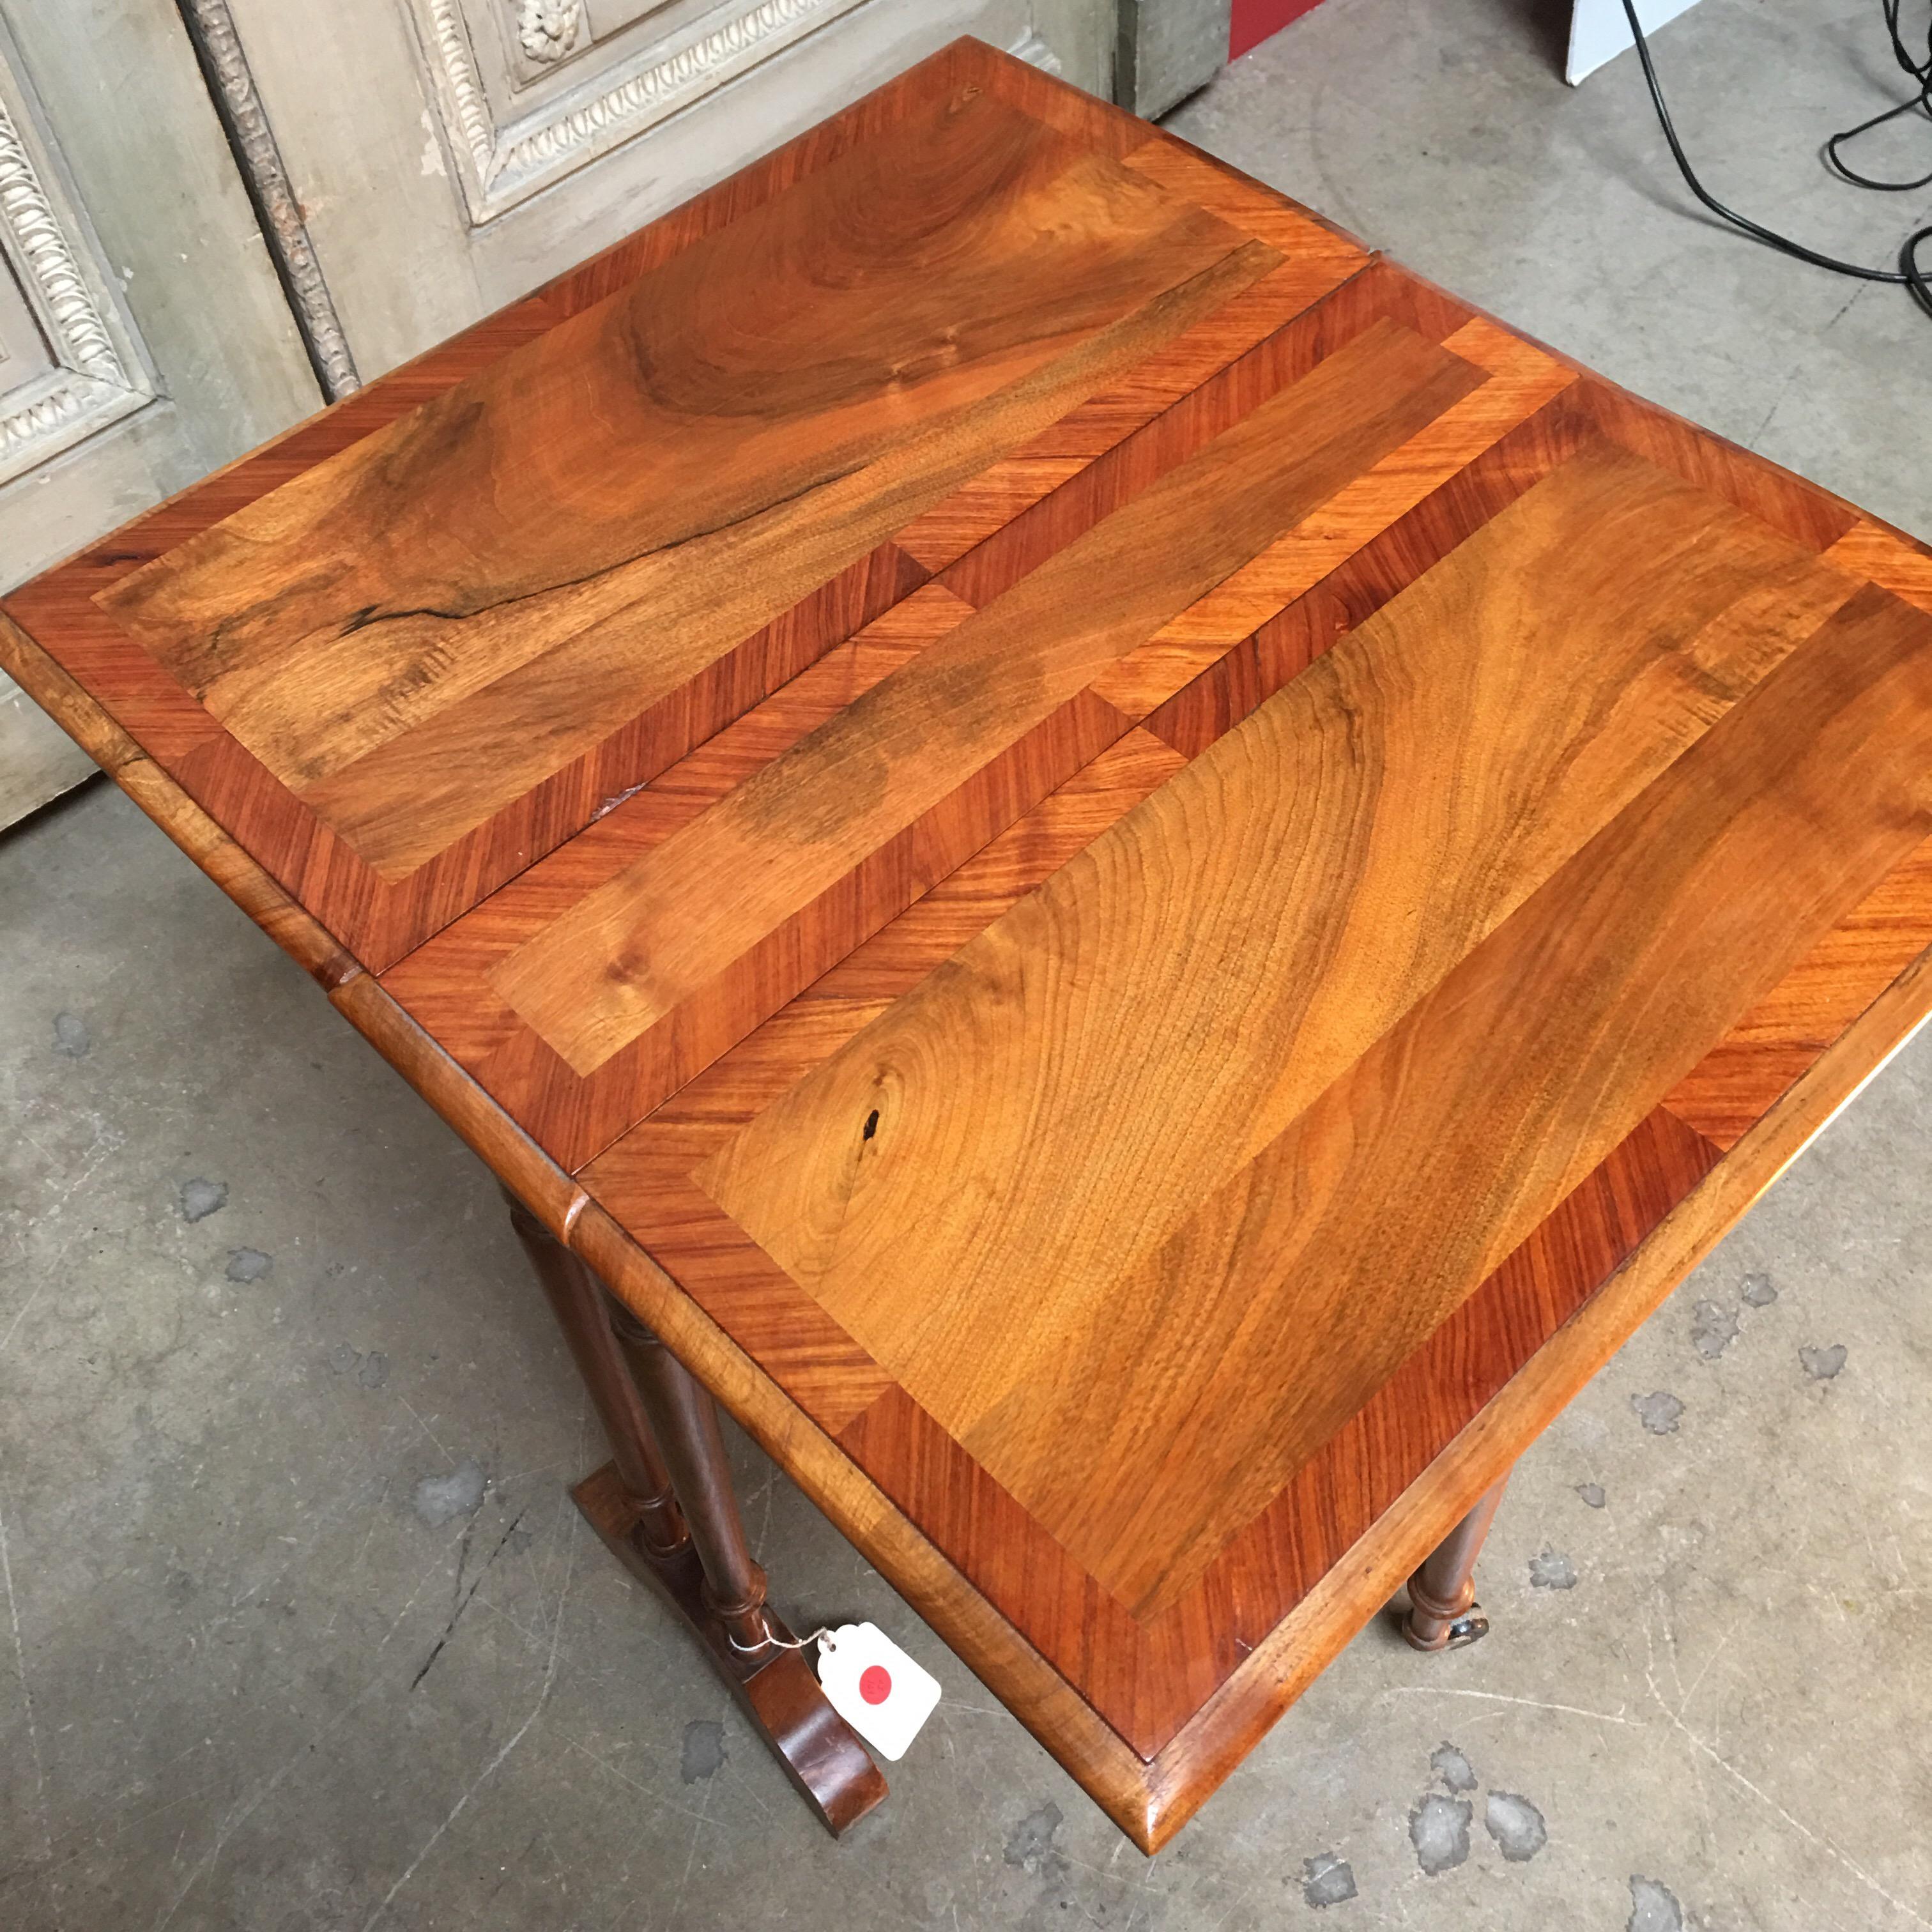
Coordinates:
1141	881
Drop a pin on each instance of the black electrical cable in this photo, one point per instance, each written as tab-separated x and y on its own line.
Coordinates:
1921	72
1912	273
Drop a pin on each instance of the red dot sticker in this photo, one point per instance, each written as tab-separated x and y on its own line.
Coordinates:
875	1684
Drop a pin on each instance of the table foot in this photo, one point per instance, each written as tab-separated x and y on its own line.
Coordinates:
1428	1632
775	1689
1443	1614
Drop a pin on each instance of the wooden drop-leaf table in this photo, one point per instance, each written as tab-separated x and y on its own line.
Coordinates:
1134	881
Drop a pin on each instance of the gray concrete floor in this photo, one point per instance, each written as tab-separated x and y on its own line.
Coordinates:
270	1662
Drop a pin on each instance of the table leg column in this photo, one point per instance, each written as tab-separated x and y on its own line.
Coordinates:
665	1508
577	1299
686	1419
1442	1612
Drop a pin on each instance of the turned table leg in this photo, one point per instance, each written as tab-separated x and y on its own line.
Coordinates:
1443	1613
665	1508
577	1300
686	1419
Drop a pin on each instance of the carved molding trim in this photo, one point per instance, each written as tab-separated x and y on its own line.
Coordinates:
92	383
464	88
507	164
54	405
232	83
50	262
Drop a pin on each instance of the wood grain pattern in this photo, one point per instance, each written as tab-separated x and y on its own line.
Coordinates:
1769	1049
1315	262
1522	380
411	690
1870	550
1332	858
1151	1800
1283	646
1103	769
1147	1679
629	956
1457	1107
715	466
1164	440
575	1114
447	982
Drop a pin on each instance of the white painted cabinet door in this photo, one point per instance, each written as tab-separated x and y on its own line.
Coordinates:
450	154
144	338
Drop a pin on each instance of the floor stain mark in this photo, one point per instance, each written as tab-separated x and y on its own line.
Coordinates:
200	1198
1759	1290
71	1035
1654	1907
1029	1846
1438	1829
371	1370
1658	1413
1551	1571
1592	1494
1822	1365
1516	1826
463	1603
703	1754
441	1499
1453	1768
1714	1327
1327	1880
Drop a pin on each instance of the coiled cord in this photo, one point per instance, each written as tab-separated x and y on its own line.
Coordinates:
1913	273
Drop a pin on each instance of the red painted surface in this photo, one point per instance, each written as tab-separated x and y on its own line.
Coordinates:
1254	20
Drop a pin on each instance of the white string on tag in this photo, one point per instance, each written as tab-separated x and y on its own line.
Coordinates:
772	1637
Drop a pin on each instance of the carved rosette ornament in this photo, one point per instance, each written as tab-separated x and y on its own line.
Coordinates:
547	29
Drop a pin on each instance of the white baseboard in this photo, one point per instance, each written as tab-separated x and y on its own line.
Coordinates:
1599	31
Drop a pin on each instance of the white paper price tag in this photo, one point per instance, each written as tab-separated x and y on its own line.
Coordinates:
879	1690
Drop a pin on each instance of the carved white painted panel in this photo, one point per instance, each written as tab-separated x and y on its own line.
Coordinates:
529	91
143	336
71	364
606	16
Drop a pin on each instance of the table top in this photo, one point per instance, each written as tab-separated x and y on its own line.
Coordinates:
1141	880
